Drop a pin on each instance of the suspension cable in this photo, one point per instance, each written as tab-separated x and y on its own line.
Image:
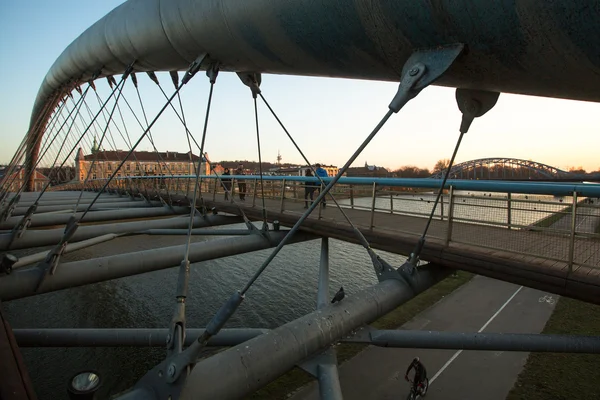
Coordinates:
262	187
414	257
39	158
190	73
94	161
363	241
194	198
72	123
301	220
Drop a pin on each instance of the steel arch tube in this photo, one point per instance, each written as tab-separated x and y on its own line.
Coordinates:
243	369
512	46
23	281
485	341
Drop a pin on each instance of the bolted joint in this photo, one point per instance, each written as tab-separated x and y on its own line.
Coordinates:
96	74
127	72
7	262
134	79
474	103
193	69
153	77
174	78
252	80
406	89
212	72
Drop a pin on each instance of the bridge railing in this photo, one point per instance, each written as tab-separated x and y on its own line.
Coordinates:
559	222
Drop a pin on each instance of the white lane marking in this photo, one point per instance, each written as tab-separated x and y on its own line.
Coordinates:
479	331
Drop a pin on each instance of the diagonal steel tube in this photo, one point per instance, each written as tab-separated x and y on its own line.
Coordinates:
227	375
45	237
22	282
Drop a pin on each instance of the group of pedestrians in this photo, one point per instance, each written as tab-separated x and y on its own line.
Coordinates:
310	187
225	178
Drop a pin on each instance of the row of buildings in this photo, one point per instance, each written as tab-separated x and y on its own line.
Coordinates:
101	164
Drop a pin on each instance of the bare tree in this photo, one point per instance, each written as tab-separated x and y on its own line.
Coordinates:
441	165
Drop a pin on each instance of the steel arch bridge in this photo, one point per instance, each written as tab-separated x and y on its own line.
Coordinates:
502	168
120	193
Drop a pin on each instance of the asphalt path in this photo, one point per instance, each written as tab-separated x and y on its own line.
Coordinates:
481	305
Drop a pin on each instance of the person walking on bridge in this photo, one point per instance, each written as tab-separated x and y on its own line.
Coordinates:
322	172
226	182
241	183
309	189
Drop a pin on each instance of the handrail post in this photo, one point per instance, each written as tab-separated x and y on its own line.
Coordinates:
373	205
450	215
254	193
442	205
294	190
391	201
282	195
572	238
509	211
352	197
321	205
215	189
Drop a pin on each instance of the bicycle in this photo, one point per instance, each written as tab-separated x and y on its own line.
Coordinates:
547	299
419	391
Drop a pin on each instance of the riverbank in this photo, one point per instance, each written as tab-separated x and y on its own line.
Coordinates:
557	376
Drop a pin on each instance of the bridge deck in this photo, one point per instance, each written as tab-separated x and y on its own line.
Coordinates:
526	257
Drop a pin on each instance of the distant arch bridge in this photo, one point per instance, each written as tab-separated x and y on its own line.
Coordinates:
503	168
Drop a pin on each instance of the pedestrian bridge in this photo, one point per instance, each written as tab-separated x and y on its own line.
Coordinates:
542	235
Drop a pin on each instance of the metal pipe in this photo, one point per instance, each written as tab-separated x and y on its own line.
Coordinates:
509	210
485	341
329	382
572	236
36	238
83	207
550	188
73	201
373	199
24	261
125	337
205	232
450	215
323	289
22	282
225	375
48	219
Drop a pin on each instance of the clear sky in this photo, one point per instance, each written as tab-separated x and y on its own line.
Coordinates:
328	117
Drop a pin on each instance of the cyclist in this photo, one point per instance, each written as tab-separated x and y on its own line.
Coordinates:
420	375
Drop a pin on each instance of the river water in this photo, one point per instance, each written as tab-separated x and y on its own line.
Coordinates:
284	292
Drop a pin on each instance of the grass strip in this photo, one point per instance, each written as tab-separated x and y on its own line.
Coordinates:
559	376
296	378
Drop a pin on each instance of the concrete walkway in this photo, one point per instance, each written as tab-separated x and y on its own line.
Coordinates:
483	304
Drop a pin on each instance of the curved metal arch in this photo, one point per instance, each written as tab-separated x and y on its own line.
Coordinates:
543	169
516	47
